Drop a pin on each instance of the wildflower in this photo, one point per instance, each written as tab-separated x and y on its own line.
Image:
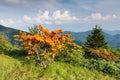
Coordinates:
40	27
30	52
60	31
16	36
53	55
29	37
27	57
29	43
38	37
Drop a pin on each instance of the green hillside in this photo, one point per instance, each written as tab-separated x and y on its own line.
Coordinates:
8	32
67	63
18	69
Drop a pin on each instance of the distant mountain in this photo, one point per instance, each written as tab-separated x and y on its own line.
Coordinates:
80	38
115	32
113	39
8	32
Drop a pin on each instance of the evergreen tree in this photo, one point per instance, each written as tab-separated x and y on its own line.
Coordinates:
96	39
34	29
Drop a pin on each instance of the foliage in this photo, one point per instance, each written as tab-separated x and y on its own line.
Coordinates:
114	50
72	53
111	67
96	46
96	39
34	29
102	53
5	45
17	51
44	44
20	69
8	33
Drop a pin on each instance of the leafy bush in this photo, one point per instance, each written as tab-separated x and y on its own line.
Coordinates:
5	45
114	50
40	46
17	52
110	67
72	53
101	53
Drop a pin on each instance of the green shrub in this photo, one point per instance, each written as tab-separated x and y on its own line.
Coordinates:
71	54
17	52
114	50
5	45
110	67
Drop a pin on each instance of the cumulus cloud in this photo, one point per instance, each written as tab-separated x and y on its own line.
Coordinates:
99	16
55	18
57	15
42	17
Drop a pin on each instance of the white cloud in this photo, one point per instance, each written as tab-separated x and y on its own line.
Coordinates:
14	1
8	22
42	17
57	15
99	16
26	18
47	22
55	18
45	15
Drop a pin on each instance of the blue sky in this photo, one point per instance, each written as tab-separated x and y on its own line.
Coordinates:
69	15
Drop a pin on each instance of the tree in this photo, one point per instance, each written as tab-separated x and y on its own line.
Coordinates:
96	46
34	29
96	39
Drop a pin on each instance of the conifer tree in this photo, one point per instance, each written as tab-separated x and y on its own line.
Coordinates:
96	39
34	29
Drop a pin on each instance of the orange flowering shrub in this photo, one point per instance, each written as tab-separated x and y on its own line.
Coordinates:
43	45
102	53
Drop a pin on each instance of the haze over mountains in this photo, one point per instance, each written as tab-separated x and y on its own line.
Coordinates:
114	32
112	37
112	40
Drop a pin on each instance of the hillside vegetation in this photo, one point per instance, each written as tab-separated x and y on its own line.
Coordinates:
19	69
112	37
52	55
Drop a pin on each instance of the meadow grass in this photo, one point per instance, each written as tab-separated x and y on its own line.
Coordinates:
19	69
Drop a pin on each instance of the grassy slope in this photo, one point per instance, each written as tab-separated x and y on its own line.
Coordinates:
15	69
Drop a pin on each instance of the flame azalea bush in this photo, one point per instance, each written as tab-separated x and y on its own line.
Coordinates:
43	45
102	53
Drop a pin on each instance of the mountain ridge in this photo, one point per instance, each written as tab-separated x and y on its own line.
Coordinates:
8	32
80	37
112	32
112	40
